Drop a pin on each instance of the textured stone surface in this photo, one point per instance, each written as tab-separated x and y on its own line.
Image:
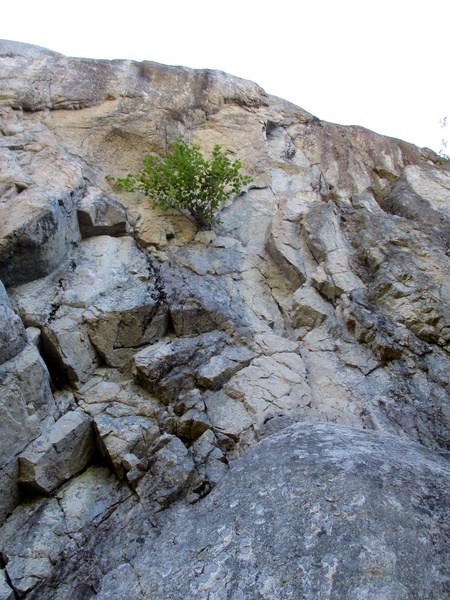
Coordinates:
6	592
312	512
101	304
27	407
99	215
44	531
12	332
65	449
38	226
168	368
322	297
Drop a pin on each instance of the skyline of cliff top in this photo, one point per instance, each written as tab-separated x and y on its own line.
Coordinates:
380	67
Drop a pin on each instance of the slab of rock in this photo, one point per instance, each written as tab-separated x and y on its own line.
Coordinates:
316	511
126	417
31	556
271	385
227	415
122	435
283	247
202	303
6	592
66	345
89	499
210	462
12	332
213	374
59	454
421	193
27	405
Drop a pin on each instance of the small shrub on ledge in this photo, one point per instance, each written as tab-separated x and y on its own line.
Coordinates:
186	182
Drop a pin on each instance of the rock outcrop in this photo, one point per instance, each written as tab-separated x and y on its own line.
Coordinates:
258	411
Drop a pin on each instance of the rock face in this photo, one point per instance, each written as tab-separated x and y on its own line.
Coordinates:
258	411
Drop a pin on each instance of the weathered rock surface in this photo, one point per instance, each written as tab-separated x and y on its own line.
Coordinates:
101	304
140	358
99	215
314	511
13	337
65	449
27	408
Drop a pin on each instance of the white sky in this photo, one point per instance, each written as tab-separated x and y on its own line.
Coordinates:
383	64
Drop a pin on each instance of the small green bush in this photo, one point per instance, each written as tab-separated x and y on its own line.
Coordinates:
186	182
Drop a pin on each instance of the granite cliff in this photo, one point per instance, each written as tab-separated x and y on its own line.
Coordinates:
259	411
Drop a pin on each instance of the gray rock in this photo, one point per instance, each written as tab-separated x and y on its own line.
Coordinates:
193	423
282	246
366	537
58	454
309	309
27	407
199	304
127	419
33	539
34	336
6	592
10	494
37	235
11	48
169	475
123	435
227	415
228	350
211	465
168	367
317	510
99	215
421	193
27	402
213	374
12	332
85	316
47	530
